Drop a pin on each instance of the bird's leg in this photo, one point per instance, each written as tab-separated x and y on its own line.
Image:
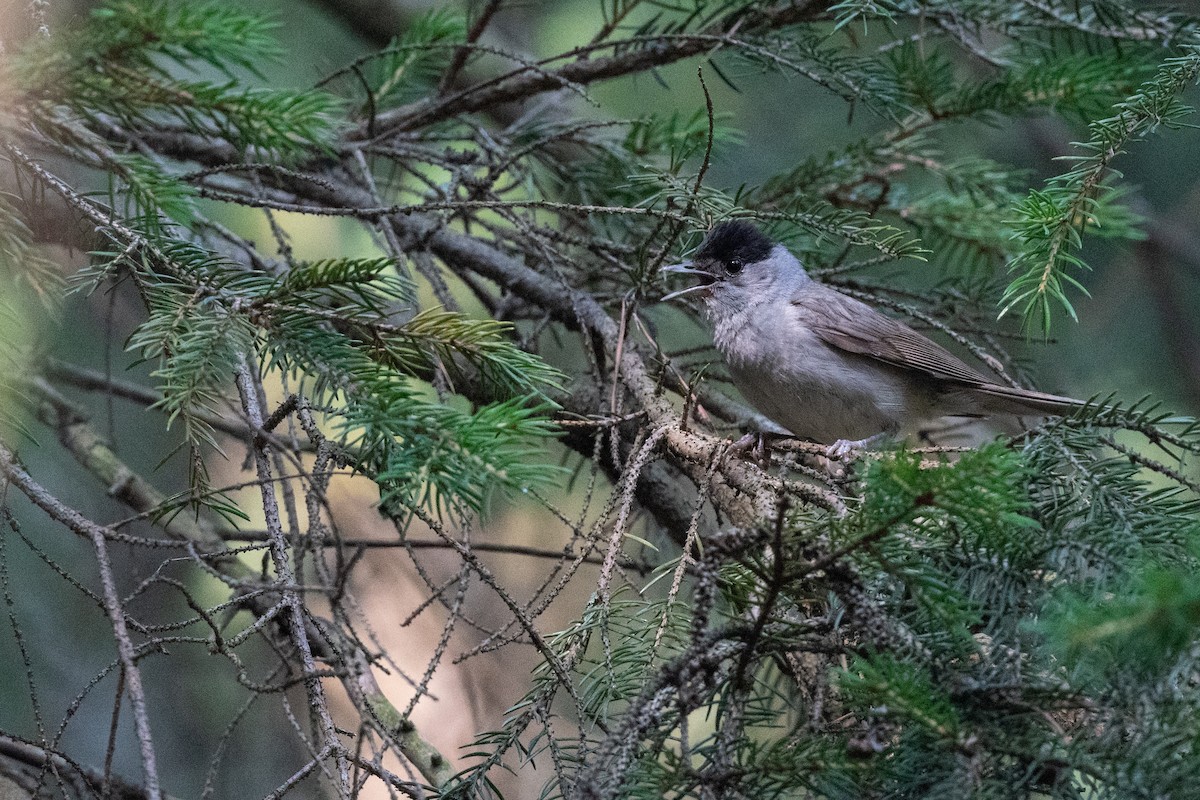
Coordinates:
758	443
843	447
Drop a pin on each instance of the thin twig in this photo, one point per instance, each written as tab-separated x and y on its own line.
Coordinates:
77	522
436	544
460	55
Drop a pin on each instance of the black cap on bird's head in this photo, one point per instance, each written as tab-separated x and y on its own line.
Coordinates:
734	244
726	250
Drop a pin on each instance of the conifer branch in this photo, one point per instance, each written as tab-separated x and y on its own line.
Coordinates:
945	620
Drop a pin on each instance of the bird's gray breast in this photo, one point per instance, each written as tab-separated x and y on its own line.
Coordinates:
802	383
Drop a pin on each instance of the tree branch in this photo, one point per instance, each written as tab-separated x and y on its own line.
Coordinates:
523	84
131	674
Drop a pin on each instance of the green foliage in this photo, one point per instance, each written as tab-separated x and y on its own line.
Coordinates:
218	34
680	137
147	194
22	262
849	11
810	54
957	694
124	69
27	286
430	454
367	286
438	339
903	484
328	323
412	63
31	289
205	316
901	691
1051	222
1081	84
197	343
1149	619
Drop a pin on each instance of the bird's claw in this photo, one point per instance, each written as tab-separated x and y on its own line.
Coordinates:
756	444
844	447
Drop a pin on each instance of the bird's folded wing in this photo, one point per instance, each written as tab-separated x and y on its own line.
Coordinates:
855	327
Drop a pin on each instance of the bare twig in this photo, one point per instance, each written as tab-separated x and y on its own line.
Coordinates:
283	568
77	522
450	76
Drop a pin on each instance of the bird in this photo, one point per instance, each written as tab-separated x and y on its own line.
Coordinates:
828	367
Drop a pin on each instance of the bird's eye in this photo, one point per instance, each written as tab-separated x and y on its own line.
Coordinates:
734	266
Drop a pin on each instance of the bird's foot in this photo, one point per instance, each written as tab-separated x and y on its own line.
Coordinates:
757	445
844	447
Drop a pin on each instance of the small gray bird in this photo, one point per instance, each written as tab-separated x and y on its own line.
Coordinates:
826	366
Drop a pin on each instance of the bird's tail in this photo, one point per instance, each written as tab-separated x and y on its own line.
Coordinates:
997	399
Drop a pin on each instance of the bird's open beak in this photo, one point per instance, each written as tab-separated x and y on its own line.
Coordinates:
686	268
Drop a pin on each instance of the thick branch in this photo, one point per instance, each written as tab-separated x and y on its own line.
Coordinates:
524	83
